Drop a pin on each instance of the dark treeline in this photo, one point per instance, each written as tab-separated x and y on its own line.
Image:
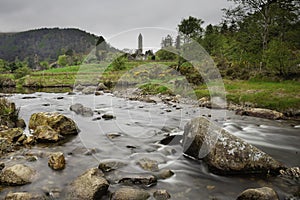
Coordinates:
256	38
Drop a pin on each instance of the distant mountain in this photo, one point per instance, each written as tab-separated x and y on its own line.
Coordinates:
46	43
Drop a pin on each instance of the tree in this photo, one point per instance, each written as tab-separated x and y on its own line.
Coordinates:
163	54
191	28
62	60
22	71
280	59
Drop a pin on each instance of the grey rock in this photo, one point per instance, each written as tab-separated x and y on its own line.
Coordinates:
223	152
264	193
82	110
18	174
128	193
90	185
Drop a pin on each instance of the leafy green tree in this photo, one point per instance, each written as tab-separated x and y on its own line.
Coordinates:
191	28
163	54
280	59
4	67
44	65
62	60
22	71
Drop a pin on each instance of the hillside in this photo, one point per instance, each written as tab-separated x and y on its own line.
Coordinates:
46	43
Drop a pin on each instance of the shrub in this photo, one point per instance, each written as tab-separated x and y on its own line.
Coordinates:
21	72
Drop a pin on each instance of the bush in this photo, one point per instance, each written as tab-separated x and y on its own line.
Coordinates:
21	72
119	63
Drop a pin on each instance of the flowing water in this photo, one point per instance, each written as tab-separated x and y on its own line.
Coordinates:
141	126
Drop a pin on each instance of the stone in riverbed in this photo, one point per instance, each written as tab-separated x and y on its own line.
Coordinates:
12	135
24	196
145	180
223	152
79	109
161	195
18	174
57	161
264	193
128	193
90	185
110	165
58	122
89	90
148	164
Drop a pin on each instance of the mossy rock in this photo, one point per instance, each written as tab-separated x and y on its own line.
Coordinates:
58	122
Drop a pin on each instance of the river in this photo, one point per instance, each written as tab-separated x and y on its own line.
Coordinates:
141	126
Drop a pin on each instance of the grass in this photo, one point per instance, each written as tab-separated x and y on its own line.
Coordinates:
279	96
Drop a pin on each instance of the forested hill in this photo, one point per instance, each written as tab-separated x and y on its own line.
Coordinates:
46	44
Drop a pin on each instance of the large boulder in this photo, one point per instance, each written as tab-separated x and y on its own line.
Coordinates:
223	152
58	122
264	193
18	174
90	185
128	193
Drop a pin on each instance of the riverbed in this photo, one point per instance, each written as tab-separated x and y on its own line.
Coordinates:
140	126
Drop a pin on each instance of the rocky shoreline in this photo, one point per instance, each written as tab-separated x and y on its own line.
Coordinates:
229	155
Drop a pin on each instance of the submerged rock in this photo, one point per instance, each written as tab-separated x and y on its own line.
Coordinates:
264	193
110	165
223	152
18	174
57	161
24	196
145	180
164	174
79	109
108	116
58	122
90	185
128	193
148	164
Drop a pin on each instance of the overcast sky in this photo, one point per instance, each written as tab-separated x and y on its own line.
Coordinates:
119	21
